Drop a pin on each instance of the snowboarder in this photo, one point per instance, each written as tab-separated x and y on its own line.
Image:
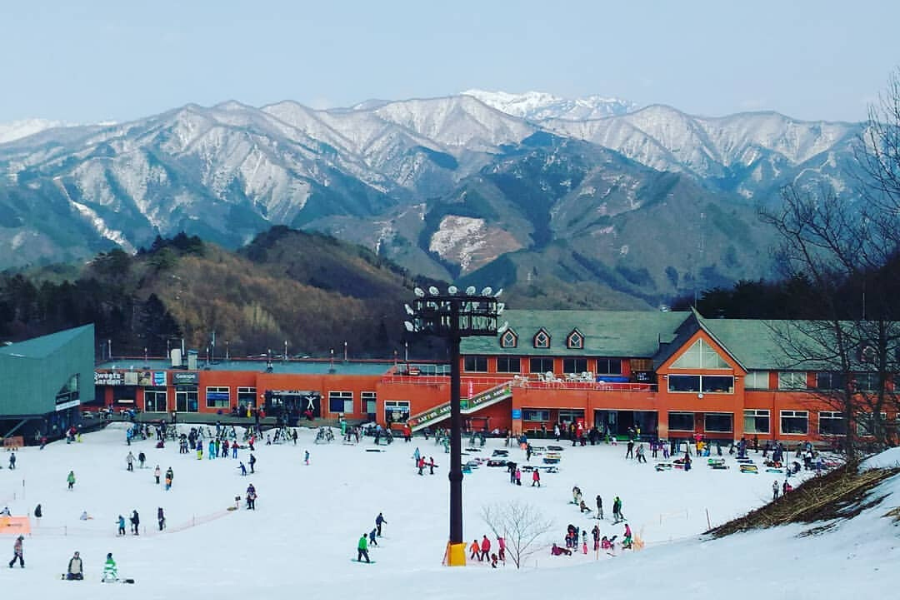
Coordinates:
75	572
161	518
535	478
372	535
379	521
18	553
71	480
362	549
157	473
130	460
135	522
121	523
110	571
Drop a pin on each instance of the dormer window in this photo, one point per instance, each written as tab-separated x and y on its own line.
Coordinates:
542	339
575	340
509	339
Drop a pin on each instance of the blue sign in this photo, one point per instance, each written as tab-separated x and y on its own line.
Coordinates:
159	378
517	413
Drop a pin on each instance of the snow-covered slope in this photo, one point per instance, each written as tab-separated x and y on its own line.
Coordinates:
304	531
538	106
15	130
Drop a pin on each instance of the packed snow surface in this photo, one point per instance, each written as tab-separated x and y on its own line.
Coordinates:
302	536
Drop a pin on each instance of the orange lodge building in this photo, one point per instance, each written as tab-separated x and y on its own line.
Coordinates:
664	374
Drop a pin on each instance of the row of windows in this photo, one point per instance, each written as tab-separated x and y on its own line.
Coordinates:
513	364
792	422
542	339
156	400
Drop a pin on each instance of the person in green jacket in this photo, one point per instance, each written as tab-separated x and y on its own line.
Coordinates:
71	479
363	548
110	571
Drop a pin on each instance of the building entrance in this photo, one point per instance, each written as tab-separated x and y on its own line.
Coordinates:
618	422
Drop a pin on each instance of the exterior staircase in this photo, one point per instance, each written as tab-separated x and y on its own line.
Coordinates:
481	400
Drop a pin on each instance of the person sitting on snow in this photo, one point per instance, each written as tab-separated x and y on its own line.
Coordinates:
75	571
559	550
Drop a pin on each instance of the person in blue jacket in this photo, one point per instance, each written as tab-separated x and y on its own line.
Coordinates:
379	521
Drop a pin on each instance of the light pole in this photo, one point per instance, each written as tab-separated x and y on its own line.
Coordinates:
345	351
453	316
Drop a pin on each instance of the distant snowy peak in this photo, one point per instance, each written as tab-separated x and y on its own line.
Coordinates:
16	130
538	106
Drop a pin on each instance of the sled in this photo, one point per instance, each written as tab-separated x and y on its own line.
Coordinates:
749	469
555	448
774	470
503	453
117	581
663	466
550	461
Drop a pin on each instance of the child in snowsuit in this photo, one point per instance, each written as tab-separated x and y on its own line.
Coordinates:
474	550
372	535
71	479
535	478
18	553
121	523
110	571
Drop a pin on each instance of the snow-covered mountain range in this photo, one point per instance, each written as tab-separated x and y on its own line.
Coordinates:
445	186
15	130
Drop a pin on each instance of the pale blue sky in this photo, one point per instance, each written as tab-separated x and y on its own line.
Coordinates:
123	59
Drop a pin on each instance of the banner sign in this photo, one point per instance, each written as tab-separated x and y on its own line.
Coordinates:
152	378
186	378
517	413
108	378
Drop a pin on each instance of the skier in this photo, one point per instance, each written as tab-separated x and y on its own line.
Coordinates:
156	473
617	510
243	469
110	571
130	460
18	553
599	507
121	523
71	480
252	463
75	572
379	521
535	478
135	522
362	549
161	518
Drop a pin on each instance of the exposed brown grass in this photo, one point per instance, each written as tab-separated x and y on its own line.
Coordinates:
841	494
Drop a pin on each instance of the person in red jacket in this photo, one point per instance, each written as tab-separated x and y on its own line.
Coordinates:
421	464
501	543
485	548
473	550
535	478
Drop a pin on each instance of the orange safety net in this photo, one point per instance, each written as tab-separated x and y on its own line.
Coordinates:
14	525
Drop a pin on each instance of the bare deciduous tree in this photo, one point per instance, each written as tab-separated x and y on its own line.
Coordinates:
521	525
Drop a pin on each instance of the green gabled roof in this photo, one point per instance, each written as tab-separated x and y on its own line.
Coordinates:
612	334
44	346
759	344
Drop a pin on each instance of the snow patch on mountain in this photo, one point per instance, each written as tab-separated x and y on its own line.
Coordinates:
538	106
16	130
100	225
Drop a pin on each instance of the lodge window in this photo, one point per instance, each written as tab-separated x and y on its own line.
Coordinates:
570	415
609	366
575	365
246	397
396	411
575	341
508	364
718	422
156	400
756	380
832	423
700	356
792	380
540	365
866	382
475	364
509	339
708	384
794	422
865	423
756	421
340	402
370	403
681	421
542	339
218	397
187	399
69	391
531	414
829	381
